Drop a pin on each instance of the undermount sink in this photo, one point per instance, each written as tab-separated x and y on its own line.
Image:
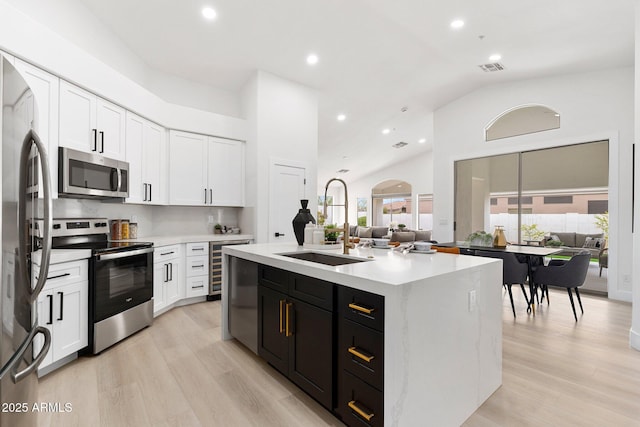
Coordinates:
324	258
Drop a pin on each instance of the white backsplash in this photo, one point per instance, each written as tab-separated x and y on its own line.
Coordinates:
152	220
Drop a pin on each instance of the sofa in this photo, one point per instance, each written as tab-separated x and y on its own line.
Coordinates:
572	242
381	231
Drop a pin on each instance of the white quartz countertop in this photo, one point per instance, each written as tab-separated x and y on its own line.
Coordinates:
61	255
177	239
385	271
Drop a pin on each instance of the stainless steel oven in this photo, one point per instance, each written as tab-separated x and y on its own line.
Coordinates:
87	175
120	279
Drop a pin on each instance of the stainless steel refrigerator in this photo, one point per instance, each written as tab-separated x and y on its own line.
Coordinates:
26	194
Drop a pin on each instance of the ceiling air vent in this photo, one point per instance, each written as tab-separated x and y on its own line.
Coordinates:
400	145
343	171
488	68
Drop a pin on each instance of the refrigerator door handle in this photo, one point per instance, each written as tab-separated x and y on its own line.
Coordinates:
16	377
23	233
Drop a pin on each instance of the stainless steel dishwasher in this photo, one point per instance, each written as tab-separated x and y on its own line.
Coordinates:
215	266
243	301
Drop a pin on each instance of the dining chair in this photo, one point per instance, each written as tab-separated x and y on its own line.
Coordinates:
452	250
513	272
566	274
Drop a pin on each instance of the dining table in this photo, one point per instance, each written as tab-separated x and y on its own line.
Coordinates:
534	256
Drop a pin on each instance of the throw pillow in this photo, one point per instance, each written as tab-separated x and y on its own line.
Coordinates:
593	242
364	232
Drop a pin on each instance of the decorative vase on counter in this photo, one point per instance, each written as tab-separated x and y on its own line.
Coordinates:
499	239
301	220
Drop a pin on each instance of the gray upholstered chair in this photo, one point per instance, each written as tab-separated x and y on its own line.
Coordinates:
603	259
513	272
566	274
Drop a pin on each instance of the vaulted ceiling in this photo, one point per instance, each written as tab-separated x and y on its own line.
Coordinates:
375	56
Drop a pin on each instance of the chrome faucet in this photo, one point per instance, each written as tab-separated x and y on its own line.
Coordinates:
345	238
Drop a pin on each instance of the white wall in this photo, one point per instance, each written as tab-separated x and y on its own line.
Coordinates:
282	118
593	106
634	333
418	171
27	38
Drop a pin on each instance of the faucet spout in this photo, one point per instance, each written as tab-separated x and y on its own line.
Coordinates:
345	238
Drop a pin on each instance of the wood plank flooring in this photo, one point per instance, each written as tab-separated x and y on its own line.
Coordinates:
178	372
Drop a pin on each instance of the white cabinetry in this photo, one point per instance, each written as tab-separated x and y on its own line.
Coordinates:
197	269
146	154
167	287
62	308
205	171
42	115
226	172
91	124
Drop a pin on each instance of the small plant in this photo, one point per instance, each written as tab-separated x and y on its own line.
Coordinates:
602	222
554	243
480	238
332	236
217	227
402	226
531	232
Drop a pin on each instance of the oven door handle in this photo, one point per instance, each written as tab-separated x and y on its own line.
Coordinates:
125	254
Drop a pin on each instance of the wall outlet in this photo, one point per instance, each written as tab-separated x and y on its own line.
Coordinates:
210	219
472	300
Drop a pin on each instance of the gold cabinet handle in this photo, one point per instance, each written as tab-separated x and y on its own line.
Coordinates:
361	309
281	315
359	411
355	352
288	332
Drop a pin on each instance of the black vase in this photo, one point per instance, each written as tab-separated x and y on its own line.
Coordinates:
301	220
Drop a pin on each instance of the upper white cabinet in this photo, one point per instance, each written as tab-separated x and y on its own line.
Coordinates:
226	172
187	169
205	171
41	114
91	124
146	153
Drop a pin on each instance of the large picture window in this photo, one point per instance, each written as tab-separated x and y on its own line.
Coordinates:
391	202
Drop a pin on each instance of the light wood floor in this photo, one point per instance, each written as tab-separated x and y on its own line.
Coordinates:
178	372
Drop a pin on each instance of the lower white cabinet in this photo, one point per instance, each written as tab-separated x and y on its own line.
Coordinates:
197	269
167	284
63	308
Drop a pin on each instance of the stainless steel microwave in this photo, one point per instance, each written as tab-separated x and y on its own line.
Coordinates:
88	175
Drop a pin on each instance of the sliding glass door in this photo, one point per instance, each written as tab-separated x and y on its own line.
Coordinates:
533	193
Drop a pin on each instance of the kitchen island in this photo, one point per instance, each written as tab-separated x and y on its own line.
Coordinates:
442	326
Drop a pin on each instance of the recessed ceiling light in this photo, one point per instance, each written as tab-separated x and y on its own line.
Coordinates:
312	59
341	117
557	115
209	13
495	57
458	23
422	140
386	131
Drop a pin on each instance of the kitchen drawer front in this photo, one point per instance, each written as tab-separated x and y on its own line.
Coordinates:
366	402
273	278
312	290
197	266
164	253
362	307
196	286
65	273
198	249
361	352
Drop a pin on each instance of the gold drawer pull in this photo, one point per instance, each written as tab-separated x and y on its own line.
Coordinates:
355	352
361	309
359	411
